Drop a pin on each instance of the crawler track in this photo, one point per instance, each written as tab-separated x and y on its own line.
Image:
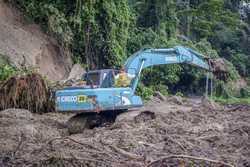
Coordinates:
89	120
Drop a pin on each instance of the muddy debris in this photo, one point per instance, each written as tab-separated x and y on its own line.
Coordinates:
144	116
176	100
164	135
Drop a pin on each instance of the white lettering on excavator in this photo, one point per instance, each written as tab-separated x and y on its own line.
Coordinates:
171	59
67	99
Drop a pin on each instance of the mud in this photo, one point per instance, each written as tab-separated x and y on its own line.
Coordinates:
196	133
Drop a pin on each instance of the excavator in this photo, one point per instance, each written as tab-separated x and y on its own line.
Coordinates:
98	99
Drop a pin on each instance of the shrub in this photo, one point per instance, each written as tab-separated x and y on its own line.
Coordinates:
6	71
179	94
144	92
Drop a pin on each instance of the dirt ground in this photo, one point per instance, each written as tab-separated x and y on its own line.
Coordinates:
173	132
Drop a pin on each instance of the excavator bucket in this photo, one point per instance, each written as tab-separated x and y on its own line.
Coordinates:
219	68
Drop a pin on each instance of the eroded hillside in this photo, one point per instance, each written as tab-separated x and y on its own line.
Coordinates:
25	44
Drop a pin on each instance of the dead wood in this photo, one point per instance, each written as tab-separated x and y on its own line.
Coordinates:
126	154
190	157
27	92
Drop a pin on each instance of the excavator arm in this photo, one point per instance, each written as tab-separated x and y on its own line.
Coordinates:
151	57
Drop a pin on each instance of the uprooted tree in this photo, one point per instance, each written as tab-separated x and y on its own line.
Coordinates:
28	91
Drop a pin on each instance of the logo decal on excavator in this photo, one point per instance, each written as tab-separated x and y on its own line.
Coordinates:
67	99
82	99
70	99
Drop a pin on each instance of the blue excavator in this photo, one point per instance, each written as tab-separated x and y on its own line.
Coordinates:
99	99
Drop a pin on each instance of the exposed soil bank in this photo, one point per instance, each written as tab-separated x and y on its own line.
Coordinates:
26	45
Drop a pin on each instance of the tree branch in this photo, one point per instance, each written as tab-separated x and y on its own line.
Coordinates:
190	157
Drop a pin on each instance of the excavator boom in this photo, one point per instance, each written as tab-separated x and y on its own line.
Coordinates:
153	57
176	55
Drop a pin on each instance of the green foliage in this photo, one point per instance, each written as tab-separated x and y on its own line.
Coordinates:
158	15
102	34
179	94
96	31
242	63
144	92
205	47
6	71
58	24
165	75
207	15
245	92
233	73
161	88
221	89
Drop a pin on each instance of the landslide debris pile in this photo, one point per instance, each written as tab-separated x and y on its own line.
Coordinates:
184	135
25	91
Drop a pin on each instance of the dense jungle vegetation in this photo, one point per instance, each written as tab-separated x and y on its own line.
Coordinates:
103	33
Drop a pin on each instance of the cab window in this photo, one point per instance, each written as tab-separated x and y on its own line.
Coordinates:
108	81
92	78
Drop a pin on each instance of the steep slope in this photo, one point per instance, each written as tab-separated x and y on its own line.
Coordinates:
25	44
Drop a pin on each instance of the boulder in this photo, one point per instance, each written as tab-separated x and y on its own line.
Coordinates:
76	72
176	99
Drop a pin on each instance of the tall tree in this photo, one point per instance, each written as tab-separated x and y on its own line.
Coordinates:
158	14
103	30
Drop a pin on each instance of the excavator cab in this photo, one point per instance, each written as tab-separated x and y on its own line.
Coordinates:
100	78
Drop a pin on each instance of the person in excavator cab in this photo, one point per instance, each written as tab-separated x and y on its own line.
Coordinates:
123	79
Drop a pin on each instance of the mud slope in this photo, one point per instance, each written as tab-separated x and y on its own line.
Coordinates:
25	43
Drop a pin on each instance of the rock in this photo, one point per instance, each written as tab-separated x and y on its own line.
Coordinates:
209	104
76	72
176	99
160	96
74	78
